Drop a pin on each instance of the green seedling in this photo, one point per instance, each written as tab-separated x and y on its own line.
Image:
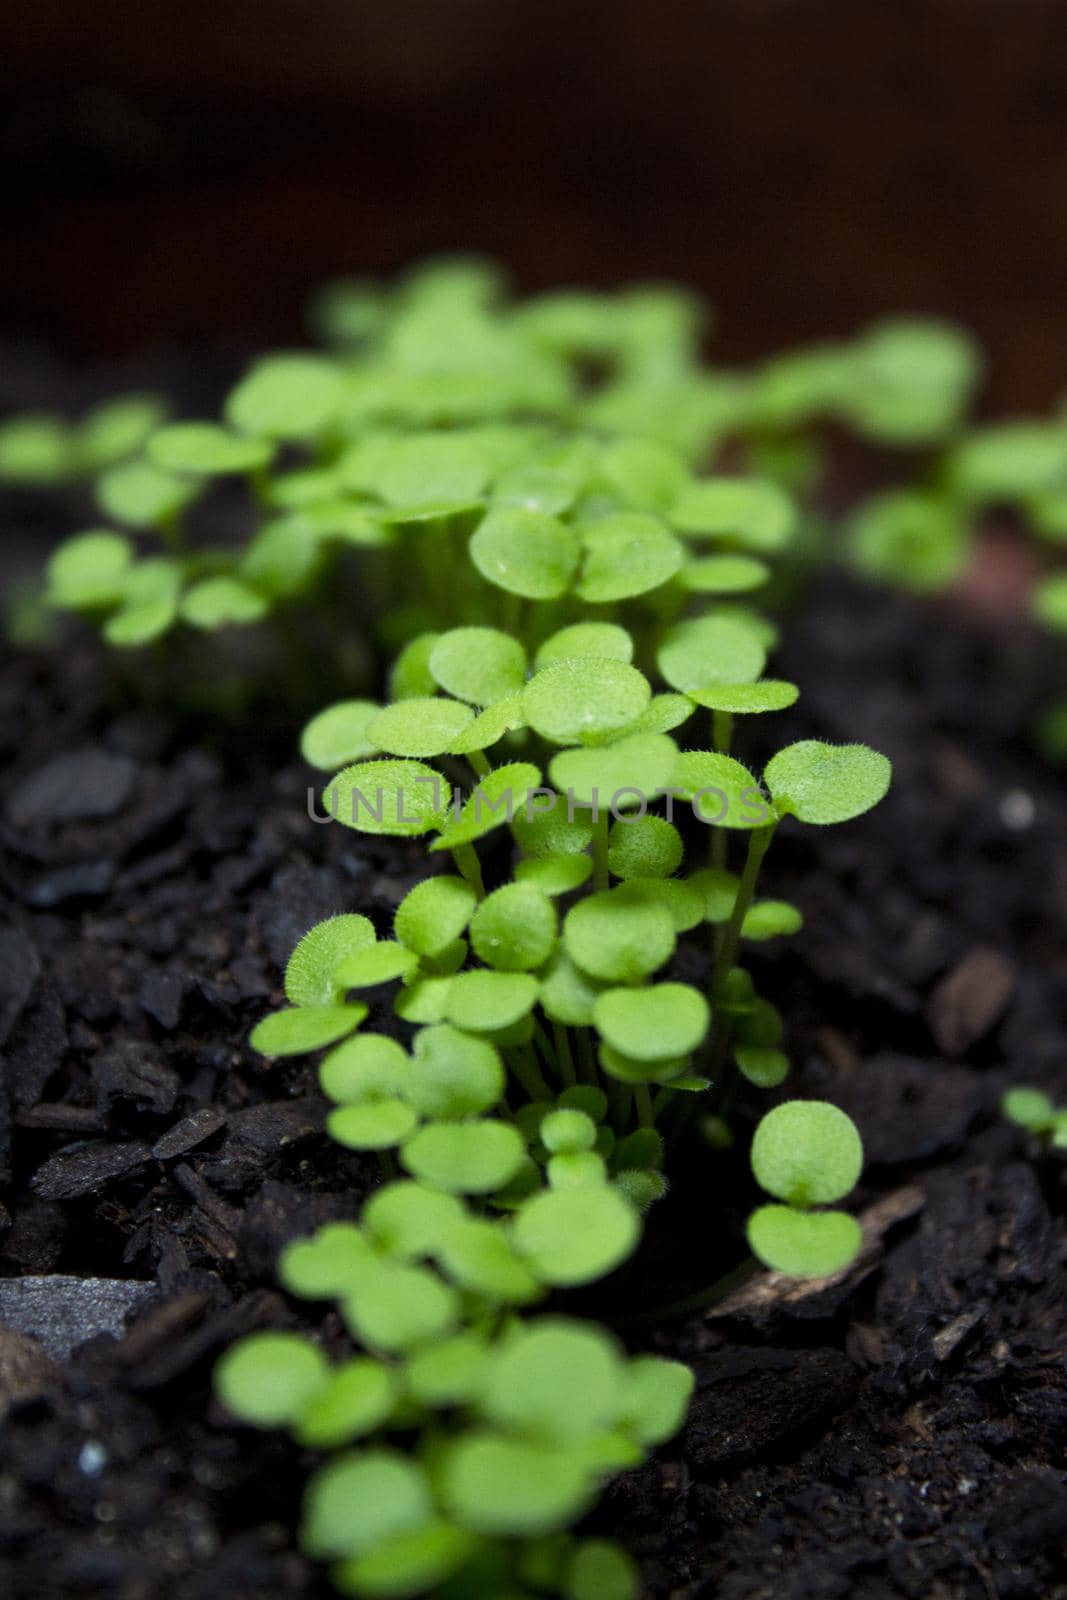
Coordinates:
806	1153
1034	1111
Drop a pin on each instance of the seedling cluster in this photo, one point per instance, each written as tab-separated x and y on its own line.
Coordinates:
570	598
542	1058
439	407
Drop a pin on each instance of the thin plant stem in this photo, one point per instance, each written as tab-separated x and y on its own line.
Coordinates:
466	858
601	878
564	1053
643	1102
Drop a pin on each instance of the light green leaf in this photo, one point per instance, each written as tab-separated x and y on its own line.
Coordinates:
573	1236
480	665
722	792
804	1244
500	1486
585	701
527	553
89	570
287	397
299	1029
359	1499
807	1152
751	512
310	973
433	914
769	694
395	1307
454	1074
215	602
586	639
618	936
618	776
626	554
464	1157
706	651
339	734
823	783
204	450
269	1379
665	1019
399	798
484	1002
419	727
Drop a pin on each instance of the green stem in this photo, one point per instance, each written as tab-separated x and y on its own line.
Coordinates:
479	763
601	877
758	841
643	1102
523	1063
722	731
466	858
564	1053
586	1058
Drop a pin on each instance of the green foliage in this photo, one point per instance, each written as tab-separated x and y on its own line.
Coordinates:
807	1153
822	783
1033	1110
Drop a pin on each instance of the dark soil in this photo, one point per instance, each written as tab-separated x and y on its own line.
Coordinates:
901	1434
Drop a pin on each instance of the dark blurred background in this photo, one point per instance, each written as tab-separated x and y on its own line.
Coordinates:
183	171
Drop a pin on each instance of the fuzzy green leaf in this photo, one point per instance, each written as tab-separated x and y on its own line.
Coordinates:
494	802
584	701
339	735
464	1157
287	397
722	792
823	783
706	651
770	694
666	1019
618	776
627	554
804	1244
527	553
724	575
603	639
204	450
619	935
573	1236
433	914
644	847
484	1002
310	973
269	1379
371	1125
753	513
807	1152
479	665
400	798
514	929
419	727
299	1029
454	1074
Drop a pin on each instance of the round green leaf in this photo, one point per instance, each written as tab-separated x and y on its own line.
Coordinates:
310	973
917	540
568	994
454	1074
725	575
406	1564
357	1400
215	602
430	470
601	1570
400	798
339	735
411	677
663	712
89	570
554	875
573	1236
287	397
483	1002
204	450
464	1157
514	928
586	639
719	891
543	828
397	1307
697	654
618	776
644	473
489	726
297	1030
1029	1108
405	1219
644	847
666	1019
567	1131
804	1244
269	1379
499	1486
626	555
448	1373
1050	602
1007	461
750	511
359	1499
325	1265
762	1065
37	450
528	553
584	701
823	783
807	1152
654	1398
371	1125
684	905
495	801
771	919
770	694
477	1255
480	665
554	1379
141	495
433	914
370	1067
418	727
722	792
618	936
